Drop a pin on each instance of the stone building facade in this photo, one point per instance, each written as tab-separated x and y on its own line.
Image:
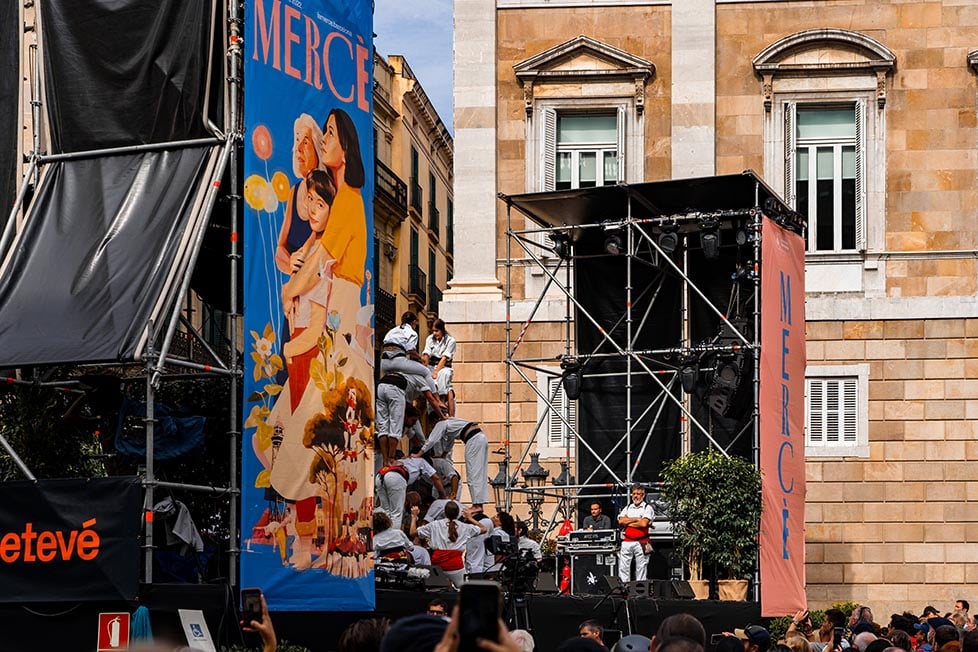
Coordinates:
862	115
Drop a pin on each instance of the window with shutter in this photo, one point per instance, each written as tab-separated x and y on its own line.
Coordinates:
555	433
836	411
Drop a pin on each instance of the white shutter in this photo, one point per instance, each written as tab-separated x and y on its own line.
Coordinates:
861	175
790	156
832	411
621	144
557	430
815	412
548	137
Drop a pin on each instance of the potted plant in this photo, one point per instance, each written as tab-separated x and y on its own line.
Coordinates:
714	502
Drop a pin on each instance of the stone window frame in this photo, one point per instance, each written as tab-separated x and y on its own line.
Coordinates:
857	375
788	83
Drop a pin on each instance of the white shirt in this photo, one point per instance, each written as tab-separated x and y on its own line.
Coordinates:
526	543
417	466
475	549
437	534
448	430
421	556
437	509
391	538
443	348
402	336
641	511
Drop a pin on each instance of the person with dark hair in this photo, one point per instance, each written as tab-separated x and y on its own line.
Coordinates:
755	637
901	639
364	635
969	643
447	538
729	643
421	633
341	149
596	520
439	350
681	645
679	626
438	608
878	645
591	629
404	336
524	542
947	639
390	543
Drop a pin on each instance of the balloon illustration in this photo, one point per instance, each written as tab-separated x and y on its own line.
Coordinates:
269	200
261	142
280	183
255	189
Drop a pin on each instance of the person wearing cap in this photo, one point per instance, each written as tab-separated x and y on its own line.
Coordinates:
755	638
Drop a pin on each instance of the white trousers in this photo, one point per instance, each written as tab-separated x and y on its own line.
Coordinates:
477	468
632	550
390	411
390	491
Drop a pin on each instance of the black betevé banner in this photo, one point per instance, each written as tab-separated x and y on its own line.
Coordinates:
69	540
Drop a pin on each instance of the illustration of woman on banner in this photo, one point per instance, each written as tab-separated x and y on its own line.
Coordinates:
295	229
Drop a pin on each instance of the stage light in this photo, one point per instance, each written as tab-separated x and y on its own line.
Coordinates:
741	238
573	377
613	244
710	238
561	244
689	375
726	380
668	239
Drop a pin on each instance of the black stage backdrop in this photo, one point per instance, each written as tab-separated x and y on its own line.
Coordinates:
600	282
10	28
123	72
600	286
69	539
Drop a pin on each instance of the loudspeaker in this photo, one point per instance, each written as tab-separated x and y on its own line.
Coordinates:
673	590
545	583
640	589
436	579
588	569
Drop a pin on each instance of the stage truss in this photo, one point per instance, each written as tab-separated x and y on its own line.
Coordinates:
555	224
173	349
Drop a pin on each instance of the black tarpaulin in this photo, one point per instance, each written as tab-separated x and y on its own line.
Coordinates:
103	238
648	200
10	28
124	72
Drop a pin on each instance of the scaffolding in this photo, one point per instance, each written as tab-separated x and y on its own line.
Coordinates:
658	231
162	356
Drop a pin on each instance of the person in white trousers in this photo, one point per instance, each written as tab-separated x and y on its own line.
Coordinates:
636	519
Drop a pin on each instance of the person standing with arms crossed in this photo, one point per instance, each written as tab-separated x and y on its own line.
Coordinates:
636	519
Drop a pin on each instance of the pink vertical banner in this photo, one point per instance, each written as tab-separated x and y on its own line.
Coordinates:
782	421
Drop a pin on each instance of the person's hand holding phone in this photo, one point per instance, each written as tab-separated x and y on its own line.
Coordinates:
258	620
450	641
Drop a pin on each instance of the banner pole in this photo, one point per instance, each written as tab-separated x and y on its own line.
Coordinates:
16	458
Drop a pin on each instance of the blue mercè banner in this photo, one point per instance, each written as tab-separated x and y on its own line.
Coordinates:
307	459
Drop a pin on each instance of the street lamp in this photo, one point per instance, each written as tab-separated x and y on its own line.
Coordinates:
498	485
535	476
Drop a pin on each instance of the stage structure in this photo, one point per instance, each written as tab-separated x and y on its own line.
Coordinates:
662	326
137	132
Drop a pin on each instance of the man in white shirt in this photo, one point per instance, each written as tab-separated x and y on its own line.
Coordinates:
636	519
475	549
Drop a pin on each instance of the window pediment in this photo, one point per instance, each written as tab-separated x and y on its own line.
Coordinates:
583	60
825	52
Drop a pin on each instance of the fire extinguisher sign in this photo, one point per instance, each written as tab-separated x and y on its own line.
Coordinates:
113	632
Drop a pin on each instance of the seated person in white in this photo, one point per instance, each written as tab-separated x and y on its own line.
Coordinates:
439	350
523	542
390	543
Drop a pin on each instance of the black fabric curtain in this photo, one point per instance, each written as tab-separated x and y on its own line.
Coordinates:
600	282
10	29
101	238
123	72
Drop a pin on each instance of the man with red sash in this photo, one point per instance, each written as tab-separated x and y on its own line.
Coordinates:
391	482
636	519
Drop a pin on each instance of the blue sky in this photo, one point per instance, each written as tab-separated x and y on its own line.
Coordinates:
422	33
